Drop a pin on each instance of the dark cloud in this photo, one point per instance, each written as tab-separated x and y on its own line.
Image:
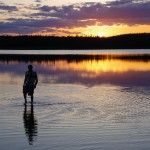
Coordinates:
46	8
26	26
19	26
119	2
122	11
49	22
38	1
78	12
8	8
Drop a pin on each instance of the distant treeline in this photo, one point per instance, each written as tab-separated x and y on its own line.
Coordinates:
72	57
127	41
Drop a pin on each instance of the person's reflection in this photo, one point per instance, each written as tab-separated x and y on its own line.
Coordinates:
30	124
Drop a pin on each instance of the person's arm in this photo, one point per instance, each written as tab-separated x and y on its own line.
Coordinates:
25	78
36	81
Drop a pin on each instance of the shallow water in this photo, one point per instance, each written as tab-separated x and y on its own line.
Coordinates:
85	105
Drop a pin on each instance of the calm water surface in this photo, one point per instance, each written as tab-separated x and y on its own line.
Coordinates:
119	51
78	105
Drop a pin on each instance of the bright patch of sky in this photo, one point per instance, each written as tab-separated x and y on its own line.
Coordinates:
49	2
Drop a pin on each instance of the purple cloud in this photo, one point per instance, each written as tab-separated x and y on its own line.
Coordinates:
75	11
119	2
8	8
21	27
26	26
38	1
122	11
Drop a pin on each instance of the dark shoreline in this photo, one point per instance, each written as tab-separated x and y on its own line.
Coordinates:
73	57
127	41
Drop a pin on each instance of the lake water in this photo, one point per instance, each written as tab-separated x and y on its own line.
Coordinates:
78	105
119	51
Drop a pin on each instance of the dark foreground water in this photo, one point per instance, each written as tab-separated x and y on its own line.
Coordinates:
79	105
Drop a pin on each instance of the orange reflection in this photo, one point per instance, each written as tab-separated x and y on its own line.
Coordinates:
10	78
108	70
99	66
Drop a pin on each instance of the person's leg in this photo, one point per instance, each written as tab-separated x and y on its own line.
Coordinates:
25	93
25	97
32	98
32	92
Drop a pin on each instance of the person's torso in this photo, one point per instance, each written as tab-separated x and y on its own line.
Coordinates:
31	77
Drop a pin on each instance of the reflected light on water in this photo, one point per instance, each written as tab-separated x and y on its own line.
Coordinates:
87	71
99	66
10	78
94	72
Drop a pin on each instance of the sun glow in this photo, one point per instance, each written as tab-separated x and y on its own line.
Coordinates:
101	34
107	31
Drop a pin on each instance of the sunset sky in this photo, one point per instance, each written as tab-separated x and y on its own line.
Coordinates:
74	17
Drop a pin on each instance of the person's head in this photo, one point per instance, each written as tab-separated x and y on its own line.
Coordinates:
30	67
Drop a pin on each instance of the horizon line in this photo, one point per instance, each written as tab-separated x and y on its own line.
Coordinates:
40	35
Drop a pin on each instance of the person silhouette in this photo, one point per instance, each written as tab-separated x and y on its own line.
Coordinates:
30	124
30	82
